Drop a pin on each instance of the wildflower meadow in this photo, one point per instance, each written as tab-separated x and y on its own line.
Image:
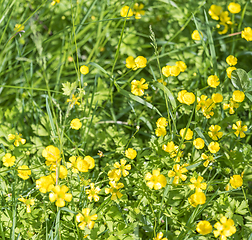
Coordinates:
126	120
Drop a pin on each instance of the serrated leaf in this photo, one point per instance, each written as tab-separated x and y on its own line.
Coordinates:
240	79
242	208
68	88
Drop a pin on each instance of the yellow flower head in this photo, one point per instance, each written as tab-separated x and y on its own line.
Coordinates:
19	27
217	98
155	180
238	96
73	163
85	220
160	131
138	87
213	81
18	139
174	71
207	109
223	26
231	60
178	173
60	195
160	236
204	227
207	159
186	97
45	183
126	12
170	147
166	71
162	122
130	153
28	203
84	70
130	63
234	7
61	169
232	104
236	181
214	147
24	172
189	133
114	190
140	62
215	11
229	71
214	132
122	168
76	124
198	198
93	193
240	129
8	160
225	228
51	154
138	10
197	185
224	18
196	35
182	66
73	101
201	102
198	143
247	34
114	175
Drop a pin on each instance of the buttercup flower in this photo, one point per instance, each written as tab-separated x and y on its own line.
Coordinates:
207	109
196	35
231	60
93	193
215	11
201	102
189	133
138	10
225	228
217	97
240	129
236	181
126	12
162	122
138	87
214	147
114	175
61	169
198	143
45	183
198	198
160	131
140	62
166	71
234	7
214	132
174	71
122	168
213	81
18	139
51	154
247	34
232	104
223	26
182	66
160	236
130	63
238	96
73	101
186	97
197	185
60	195
208	159
84	70
170	147
114	190
155	180
73	163
224	18
204	227
24	172
8	160
28	203
76	124
229	71
130	153
85	219
178	173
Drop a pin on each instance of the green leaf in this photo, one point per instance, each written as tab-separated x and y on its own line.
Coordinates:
249	96
68	88
240	79
242	208
238	219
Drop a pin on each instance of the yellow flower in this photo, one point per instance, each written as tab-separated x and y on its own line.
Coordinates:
161	122
182	66
166	71
213	81
174	71
240	129
138	10
17	138
247	34
73	101
84	70
189	133
160	236
18	28
197	185
198	143
61	169
229	71
24	172
122	168
170	147
225	28
140	62
232	104
114	190
76	124
224	18
28	203
207	109
236	181
160	131
196	35
45	183
231	60
178	173
238	96
155	180
54	2
126	12
186	97
73	163
234	7
85	219
92	193
217	97
138	87
130	63
201	102
204	227
214	132
215	11
114	175
130	153
225	228
60	195
198	198
51	154
214	147
208	159
8	160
